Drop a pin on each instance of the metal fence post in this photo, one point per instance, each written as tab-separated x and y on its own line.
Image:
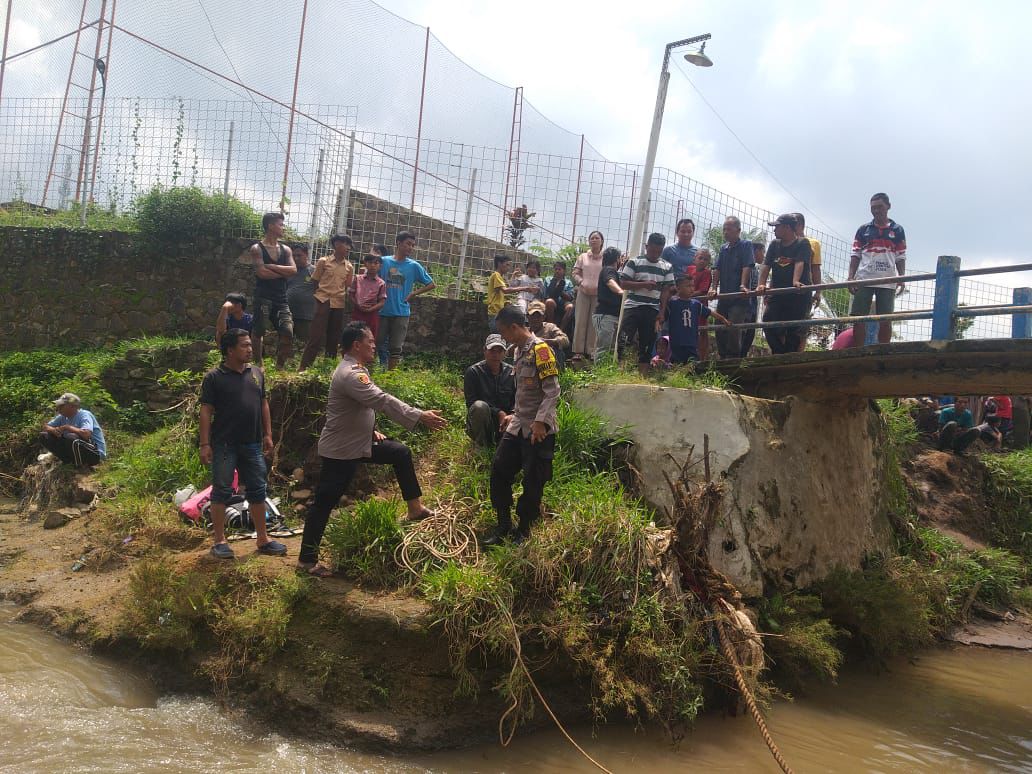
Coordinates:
465	231
342	211
229	158
1021	324
576	196
315	204
947	285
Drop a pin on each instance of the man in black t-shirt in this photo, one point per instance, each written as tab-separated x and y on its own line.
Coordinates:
788	265
273	264
236	433
607	308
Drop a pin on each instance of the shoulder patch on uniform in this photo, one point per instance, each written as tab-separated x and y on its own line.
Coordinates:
364	378
545	361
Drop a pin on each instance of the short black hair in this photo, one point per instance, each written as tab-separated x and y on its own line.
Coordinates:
655	238
557	264
534	262
299	247
401	237
610	256
883	196
511	315
681	222
734	220
230	339
237	298
341	238
352	332
271	217
371	258
382	248
500	259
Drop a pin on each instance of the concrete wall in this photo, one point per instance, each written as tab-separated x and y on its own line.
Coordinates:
803	481
72	288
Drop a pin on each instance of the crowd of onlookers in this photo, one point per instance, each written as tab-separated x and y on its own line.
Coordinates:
955	423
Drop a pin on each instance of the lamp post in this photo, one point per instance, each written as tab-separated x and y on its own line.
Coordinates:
700	59
697	58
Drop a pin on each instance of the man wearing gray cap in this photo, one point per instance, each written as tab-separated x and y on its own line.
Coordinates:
74	435
490	391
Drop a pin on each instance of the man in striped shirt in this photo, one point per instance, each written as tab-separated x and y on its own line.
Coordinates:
647	281
879	250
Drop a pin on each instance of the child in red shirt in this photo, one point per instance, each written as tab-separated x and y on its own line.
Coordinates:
368	294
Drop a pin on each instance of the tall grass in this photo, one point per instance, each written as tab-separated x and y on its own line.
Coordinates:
361	540
1009	489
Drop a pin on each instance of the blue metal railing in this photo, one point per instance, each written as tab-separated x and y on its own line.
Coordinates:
944	313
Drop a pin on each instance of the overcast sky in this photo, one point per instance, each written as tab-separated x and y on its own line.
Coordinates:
928	101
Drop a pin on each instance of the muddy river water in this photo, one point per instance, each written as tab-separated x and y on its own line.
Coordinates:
951	709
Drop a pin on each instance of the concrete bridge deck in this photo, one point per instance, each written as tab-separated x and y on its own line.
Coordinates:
979	367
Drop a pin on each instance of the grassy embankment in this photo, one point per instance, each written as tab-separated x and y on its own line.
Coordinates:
581	587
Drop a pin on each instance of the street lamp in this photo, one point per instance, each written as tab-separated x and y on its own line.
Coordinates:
697	58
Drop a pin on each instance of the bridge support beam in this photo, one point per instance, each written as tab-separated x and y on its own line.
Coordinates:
1021	324
947	285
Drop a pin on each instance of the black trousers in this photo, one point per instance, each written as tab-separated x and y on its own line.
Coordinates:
74	451
335	479
954	437
516	453
640	321
791	306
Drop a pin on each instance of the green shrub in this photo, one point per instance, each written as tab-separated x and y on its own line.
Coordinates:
173	216
902	431
803	639
361	541
1009	491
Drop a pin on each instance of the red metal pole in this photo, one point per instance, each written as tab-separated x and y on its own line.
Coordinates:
293	105
7	34
64	106
576	196
81	188
419	126
103	97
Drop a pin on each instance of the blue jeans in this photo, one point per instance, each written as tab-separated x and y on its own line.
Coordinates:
248	459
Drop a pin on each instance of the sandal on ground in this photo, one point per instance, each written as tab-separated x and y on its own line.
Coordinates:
314	569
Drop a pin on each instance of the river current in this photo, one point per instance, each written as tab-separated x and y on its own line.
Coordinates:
950	709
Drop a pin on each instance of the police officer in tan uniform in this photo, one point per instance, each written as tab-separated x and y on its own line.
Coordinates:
528	442
349	438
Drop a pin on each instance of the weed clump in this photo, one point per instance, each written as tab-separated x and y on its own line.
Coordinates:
362	541
802	642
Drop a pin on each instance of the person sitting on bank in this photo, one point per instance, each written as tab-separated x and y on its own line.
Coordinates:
233	315
74	435
559	297
957	427
349	438
528	442
550	333
490	392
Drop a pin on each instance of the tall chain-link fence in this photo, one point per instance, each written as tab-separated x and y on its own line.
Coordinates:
390	131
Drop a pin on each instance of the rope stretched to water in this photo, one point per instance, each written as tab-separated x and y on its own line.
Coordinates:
518	650
743	686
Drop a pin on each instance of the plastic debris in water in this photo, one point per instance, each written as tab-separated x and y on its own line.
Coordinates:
79	563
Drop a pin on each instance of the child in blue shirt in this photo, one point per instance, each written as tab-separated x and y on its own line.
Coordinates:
683	314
